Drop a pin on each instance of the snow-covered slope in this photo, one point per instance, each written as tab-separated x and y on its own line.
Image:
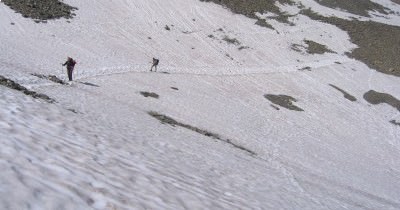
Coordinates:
98	147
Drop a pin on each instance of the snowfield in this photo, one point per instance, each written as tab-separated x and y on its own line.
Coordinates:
98	147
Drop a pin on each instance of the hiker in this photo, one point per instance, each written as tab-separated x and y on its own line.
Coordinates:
70	67
155	64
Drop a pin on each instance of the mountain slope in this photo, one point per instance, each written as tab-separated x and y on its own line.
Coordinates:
225	144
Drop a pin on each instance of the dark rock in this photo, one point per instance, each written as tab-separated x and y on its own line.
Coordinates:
345	94
149	94
374	97
378	43
13	85
168	120
283	101
41	10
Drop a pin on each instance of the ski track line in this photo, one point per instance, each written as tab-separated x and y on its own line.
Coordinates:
128	69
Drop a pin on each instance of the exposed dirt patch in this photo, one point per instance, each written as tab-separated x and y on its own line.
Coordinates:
73	110
316	48
249	8
229	40
345	94
263	23
307	68
297	47
357	7
229	56
168	120
13	85
243	47
211	36
52	78
378	43
374	97
311	48
283	101
396	1
42	10
149	94
394	122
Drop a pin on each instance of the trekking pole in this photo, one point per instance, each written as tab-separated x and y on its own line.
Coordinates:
62	69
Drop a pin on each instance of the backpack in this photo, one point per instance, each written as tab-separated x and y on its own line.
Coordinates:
155	61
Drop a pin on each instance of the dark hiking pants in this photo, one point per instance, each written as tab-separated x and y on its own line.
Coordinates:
155	67
69	71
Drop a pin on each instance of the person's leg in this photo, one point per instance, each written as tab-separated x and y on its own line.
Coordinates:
70	74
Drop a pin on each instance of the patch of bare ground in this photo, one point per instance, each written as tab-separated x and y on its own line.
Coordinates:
249	8
263	23
284	101
52	78
229	40
357	7
243	47
345	94
394	122
149	94
396	1
297	47
378	43
316	48
42	10
374	97
307	68
13	85
170	121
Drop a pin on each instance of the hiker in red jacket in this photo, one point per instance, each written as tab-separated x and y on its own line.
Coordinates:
70	67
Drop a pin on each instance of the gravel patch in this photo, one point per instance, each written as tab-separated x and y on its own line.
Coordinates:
42	10
307	68
229	40
357	7
168	120
316	48
374	97
149	94
249	8
284	101
297	47
13	85
378	43
52	78
394	122
345	94
396	1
